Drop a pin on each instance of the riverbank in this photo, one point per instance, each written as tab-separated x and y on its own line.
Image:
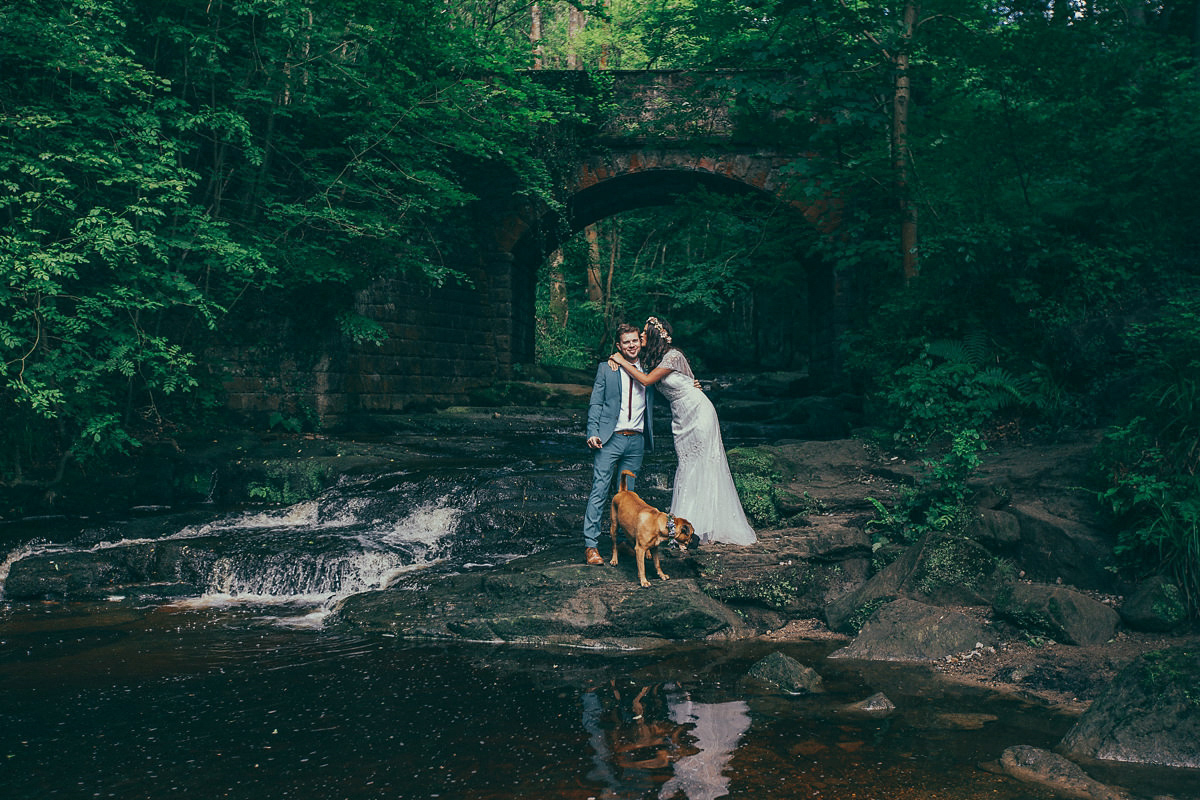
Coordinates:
480	509
1042	525
1060	676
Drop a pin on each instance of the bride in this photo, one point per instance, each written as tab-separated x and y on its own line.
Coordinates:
704	493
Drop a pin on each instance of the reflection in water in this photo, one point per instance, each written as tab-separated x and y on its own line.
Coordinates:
660	737
718	728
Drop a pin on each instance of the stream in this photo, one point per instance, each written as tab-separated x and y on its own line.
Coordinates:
226	682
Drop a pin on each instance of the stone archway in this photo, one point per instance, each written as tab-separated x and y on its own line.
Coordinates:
445	343
612	183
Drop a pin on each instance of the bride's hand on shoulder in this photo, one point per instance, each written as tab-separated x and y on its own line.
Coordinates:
614	362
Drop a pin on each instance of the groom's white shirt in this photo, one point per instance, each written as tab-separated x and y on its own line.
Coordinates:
633	402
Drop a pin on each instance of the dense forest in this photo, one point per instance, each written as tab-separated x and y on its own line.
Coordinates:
1018	180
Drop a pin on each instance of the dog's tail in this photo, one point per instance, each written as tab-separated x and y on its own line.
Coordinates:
625	472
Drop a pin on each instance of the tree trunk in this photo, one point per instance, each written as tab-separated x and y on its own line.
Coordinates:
614	247
558	290
900	149
608	27
575	22
535	35
594	288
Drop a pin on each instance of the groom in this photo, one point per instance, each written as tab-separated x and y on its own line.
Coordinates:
619	430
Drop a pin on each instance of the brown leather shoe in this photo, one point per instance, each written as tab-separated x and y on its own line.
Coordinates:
592	556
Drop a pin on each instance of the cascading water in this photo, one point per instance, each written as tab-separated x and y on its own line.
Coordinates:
311	556
302	559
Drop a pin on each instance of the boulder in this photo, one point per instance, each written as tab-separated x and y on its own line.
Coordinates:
1062	614
996	529
876	706
838	475
938	570
780	672
906	630
1150	714
1036	766
1156	605
1054	547
550	597
160	569
789	571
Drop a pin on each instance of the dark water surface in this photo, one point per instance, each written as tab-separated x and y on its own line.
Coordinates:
111	701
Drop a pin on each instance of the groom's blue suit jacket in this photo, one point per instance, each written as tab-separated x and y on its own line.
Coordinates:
605	406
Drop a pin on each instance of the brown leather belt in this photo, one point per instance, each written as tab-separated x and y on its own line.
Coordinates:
629	433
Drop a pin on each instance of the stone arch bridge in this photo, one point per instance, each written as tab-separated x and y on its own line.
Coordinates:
671	132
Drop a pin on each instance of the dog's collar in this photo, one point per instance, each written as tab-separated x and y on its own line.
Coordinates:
671	540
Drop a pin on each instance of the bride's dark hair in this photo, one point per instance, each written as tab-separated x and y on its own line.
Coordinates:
658	342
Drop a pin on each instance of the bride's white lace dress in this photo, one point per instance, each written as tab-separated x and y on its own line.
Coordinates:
704	493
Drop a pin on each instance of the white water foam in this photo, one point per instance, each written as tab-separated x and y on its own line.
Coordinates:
317	582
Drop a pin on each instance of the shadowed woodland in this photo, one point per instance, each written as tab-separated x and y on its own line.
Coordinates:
1016	214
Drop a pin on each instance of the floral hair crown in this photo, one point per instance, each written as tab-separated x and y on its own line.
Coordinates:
658	326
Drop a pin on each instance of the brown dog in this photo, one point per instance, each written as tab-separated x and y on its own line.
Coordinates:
648	527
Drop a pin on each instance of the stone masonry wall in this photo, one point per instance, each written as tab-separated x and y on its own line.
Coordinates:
443	343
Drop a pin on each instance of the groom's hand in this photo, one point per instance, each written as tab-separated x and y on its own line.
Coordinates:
594	442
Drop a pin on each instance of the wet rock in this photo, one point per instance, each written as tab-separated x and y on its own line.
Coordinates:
747	410
169	568
877	705
906	630
75	575
1156	605
938	570
550	597
781	672
999	530
676	610
1062	614
1055	547
959	722
840	474
1150	714
793	571
1063	679
1042	768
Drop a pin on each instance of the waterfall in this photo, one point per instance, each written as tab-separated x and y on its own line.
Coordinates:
313	555
302	559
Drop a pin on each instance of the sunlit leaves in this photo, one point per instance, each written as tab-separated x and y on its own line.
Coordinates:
162	161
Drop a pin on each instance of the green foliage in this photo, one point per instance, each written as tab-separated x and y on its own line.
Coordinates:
290	424
859	617
360	329
1153	460
778	590
939	500
756	477
1171	672
716	267
161	162
950	386
568	345
289	482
